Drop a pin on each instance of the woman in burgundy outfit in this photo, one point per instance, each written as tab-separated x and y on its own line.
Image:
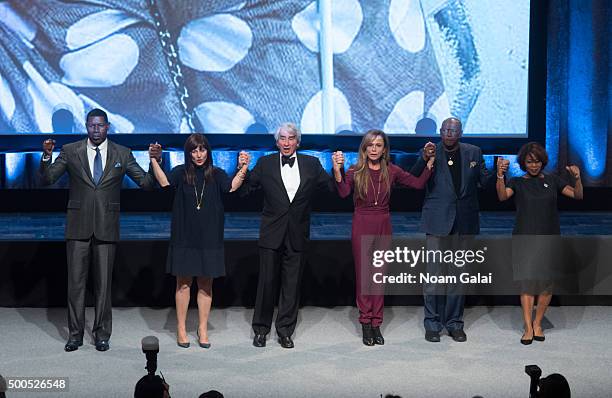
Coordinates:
371	180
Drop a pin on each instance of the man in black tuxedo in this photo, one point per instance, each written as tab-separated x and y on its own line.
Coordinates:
288	181
96	167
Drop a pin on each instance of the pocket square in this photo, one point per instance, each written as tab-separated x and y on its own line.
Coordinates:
473	164
117	165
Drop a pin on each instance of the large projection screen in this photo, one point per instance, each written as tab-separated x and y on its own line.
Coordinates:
223	66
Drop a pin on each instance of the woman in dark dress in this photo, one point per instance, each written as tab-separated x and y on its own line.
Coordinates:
196	237
537	216
371	180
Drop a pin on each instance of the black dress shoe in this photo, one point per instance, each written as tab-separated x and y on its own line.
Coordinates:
432	336
102	345
73	345
367	334
378	337
458	335
182	345
259	340
285	342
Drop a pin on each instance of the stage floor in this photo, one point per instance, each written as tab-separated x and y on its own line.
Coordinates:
328	360
245	226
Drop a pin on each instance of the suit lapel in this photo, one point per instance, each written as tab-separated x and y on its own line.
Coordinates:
276	174
111	153
464	168
302	170
82	155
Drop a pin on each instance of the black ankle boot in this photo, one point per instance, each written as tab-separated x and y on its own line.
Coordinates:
378	337
368	334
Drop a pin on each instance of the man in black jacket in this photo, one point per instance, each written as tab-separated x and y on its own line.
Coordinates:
450	215
96	167
288	181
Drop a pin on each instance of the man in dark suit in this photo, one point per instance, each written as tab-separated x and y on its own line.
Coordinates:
450	211
96	167
288	181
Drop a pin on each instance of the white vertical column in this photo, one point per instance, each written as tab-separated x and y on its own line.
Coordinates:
326	51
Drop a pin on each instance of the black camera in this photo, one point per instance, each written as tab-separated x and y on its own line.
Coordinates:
534	372
553	385
151	385
150	347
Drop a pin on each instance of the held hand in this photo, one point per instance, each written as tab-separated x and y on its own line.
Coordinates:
48	146
244	159
155	152
502	166
338	160
574	171
430	162
429	150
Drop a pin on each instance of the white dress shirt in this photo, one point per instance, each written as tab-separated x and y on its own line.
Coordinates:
91	154
290	176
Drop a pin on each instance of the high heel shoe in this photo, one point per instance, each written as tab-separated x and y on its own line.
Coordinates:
527	341
182	345
538	338
202	345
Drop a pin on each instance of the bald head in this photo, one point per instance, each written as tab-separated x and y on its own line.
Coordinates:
451	132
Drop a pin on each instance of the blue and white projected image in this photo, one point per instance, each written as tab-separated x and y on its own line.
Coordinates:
229	66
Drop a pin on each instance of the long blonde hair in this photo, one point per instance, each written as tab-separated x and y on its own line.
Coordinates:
362	171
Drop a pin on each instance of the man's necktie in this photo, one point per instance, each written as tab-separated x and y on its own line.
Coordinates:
97	171
287	160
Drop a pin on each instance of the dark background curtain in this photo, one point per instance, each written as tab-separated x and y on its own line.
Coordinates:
578	88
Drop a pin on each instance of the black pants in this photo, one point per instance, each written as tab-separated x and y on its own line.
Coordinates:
444	304
286	263
99	256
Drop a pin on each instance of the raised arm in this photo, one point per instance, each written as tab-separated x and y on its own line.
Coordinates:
244	159
425	154
51	172
344	181
574	192
407	179
252	180
159	174
503	192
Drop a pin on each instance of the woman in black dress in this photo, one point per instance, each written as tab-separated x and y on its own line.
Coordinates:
196	237
537	216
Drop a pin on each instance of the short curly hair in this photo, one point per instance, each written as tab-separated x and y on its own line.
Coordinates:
534	149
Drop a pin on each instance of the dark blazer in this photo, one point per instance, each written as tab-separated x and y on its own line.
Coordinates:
279	216
442	206
94	210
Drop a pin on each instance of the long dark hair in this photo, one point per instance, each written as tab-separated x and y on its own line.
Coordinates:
195	141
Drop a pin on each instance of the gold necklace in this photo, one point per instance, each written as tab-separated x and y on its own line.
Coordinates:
199	202
377	193
451	157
